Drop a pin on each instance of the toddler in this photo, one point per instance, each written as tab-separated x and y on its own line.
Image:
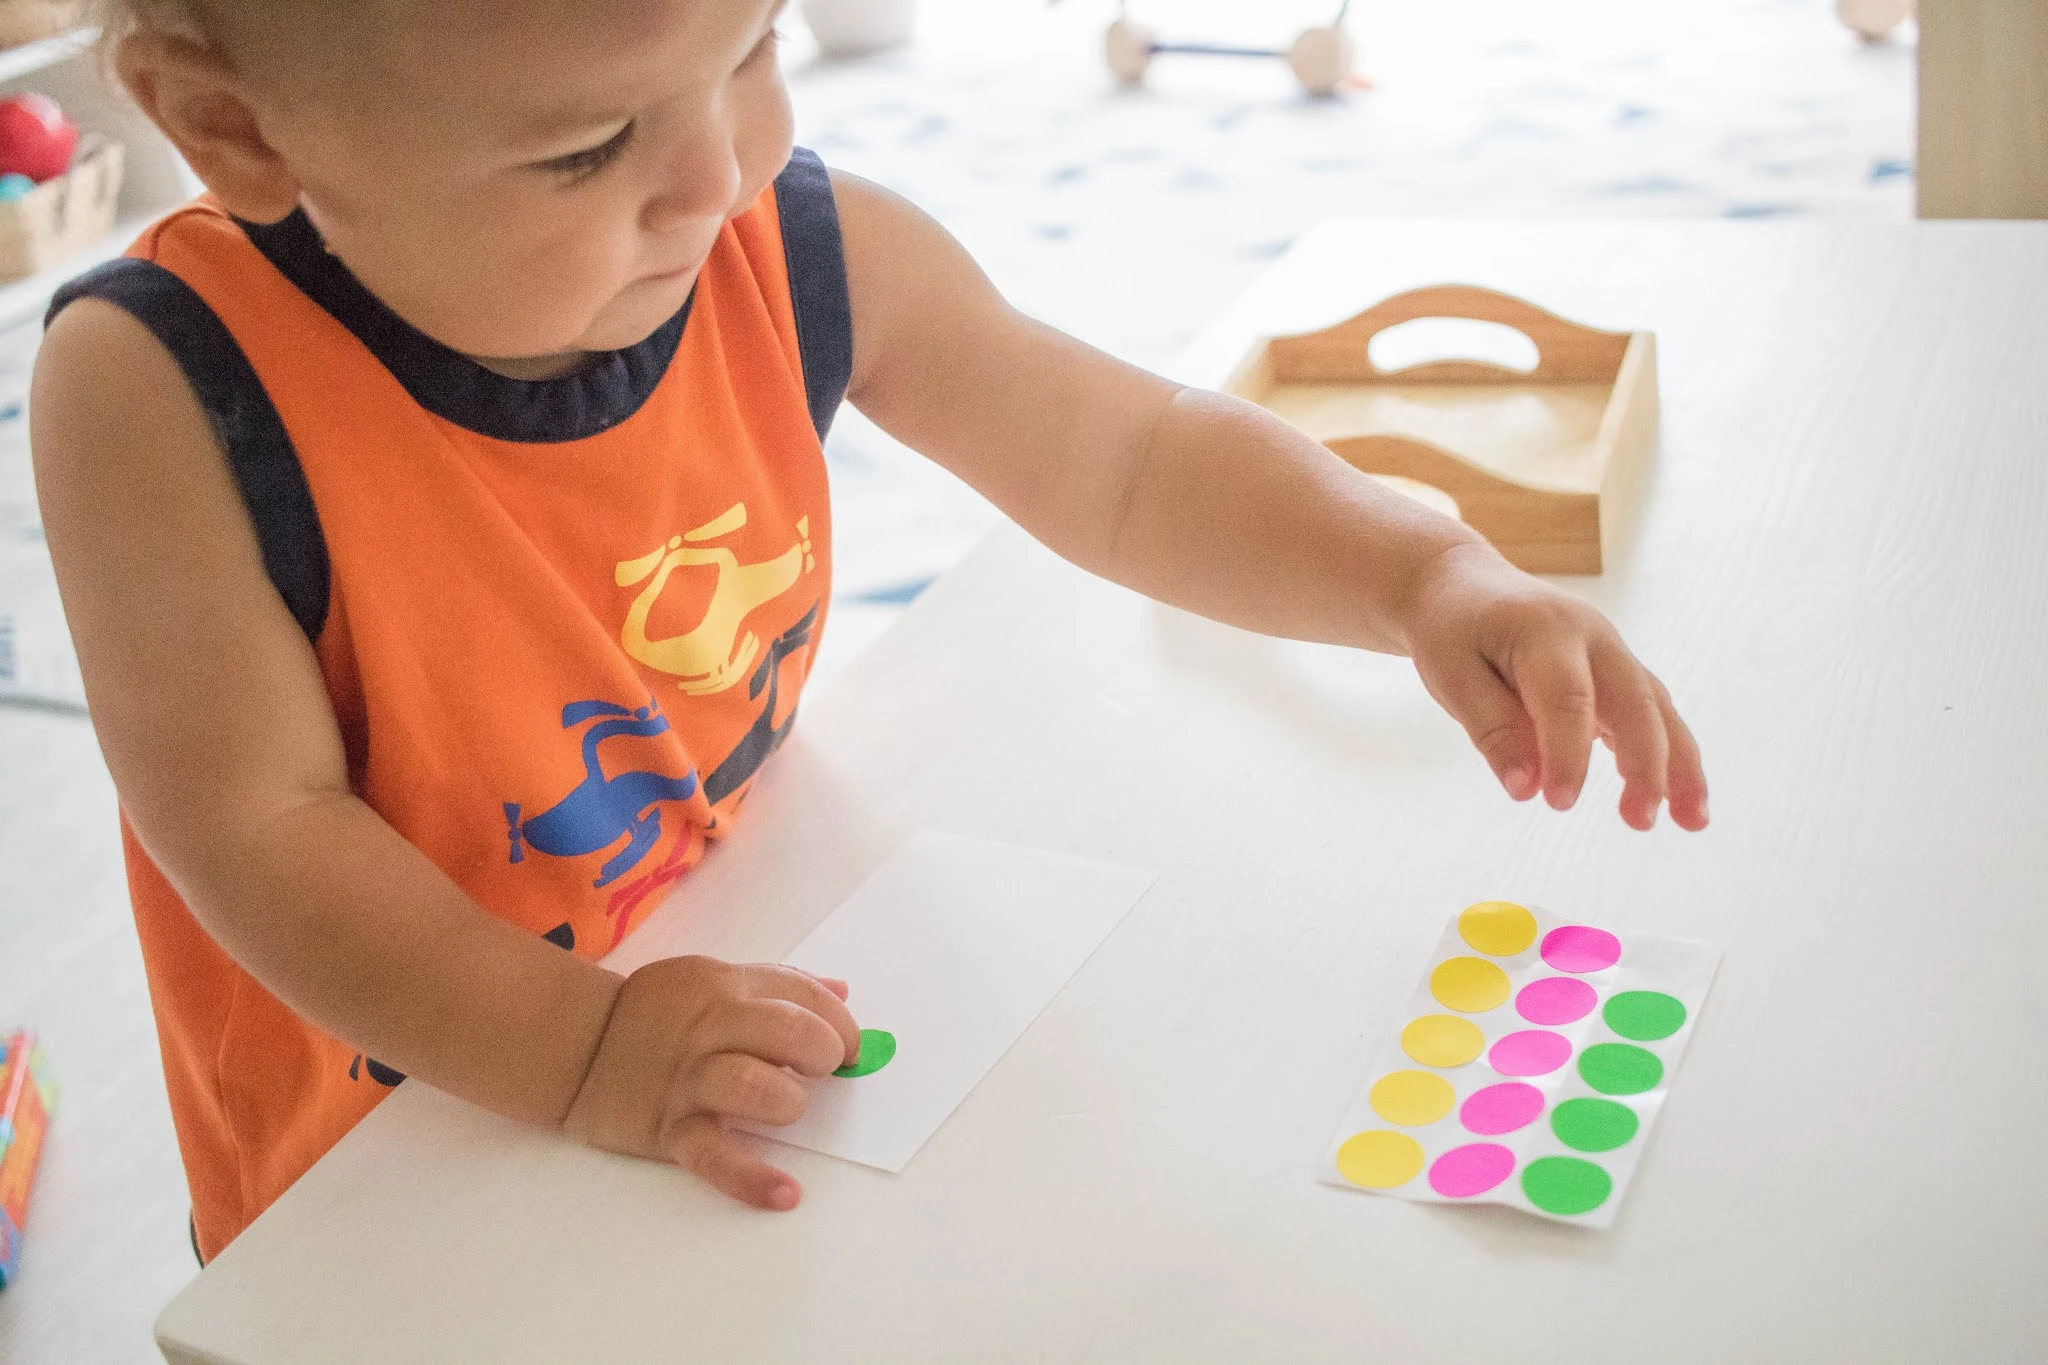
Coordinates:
441	517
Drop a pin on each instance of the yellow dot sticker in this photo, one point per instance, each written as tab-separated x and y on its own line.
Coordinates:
1497	928
1410	1098
1469	985
1442	1040
1379	1160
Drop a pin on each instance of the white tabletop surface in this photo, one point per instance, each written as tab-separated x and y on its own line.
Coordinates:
1840	563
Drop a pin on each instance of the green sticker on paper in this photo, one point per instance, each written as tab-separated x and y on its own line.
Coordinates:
1565	1185
1644	1016
1589	1125
877	1048
1620	1068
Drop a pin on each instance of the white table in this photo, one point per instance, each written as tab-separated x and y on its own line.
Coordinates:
1840	564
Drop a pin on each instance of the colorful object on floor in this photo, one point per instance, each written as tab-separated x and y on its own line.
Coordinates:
36	140
27	1095
877	1049
1475	1105
14	185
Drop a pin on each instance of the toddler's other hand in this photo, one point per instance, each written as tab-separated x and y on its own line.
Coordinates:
1534	674
693	1043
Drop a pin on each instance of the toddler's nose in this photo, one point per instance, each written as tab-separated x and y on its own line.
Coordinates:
700	178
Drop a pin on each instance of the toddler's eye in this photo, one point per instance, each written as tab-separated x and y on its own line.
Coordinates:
588	162
765	49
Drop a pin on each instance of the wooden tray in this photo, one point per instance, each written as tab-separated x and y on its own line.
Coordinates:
1535	462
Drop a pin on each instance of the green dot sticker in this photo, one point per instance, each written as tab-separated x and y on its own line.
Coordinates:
877	1049
1620	1068
1588	1125
1644	1016
1566	1185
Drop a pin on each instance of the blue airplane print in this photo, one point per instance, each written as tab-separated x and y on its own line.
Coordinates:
602	809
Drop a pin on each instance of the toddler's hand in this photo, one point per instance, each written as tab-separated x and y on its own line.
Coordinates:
693	1043
1533	674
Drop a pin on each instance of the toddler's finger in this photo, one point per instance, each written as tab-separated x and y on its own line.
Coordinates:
1626	704
811	993
1495	722
743	1087
778	1032
1556	686
1688	780
705	1147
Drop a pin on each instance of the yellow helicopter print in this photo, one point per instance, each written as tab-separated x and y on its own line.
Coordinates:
717	652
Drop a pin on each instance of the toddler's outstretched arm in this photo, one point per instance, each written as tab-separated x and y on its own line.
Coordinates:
1215	505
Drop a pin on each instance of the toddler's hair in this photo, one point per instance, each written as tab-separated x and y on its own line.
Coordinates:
209	22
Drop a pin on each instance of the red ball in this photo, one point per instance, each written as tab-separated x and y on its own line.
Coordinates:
36	140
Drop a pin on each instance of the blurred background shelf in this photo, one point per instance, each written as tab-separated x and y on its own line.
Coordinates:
66	68
29	58
23	301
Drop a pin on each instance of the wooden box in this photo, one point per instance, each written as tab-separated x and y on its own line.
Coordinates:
1536	462
62	216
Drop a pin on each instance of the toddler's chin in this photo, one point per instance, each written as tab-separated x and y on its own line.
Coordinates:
637	314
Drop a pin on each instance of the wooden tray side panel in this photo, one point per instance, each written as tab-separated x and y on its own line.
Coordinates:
1628	434
1566	351
1536	529
1253	379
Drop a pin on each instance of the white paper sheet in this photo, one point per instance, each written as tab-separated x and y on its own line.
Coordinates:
953	945
1680	969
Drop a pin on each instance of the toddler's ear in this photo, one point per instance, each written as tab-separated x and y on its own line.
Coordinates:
188	89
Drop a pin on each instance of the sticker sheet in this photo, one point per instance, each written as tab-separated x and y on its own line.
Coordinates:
951	949
1528	1067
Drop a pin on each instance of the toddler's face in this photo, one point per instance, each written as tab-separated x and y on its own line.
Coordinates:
534	180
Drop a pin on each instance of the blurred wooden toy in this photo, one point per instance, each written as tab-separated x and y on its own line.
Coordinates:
1320	58
1873	19
27	1095
1535	461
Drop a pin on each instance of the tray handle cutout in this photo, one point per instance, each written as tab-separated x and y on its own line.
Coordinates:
1566	352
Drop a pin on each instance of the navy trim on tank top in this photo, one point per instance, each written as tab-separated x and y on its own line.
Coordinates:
816	258
260	453
595	397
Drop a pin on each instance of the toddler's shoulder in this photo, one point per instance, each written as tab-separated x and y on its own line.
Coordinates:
133	320
101	371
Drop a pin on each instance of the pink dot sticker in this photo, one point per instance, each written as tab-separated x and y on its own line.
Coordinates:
1581	948
1532	1052
1501	1108
1472	1169
1556	1000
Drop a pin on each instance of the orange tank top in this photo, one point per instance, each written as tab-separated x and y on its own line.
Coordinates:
562	624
